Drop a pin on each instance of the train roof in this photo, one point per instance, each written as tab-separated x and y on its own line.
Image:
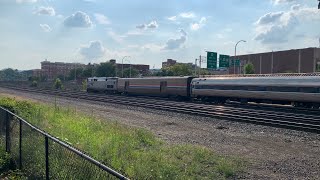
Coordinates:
258	78
103	78
279	81
166	77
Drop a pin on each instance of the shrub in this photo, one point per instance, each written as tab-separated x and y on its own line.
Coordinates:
84	85
249	68
34	83
58	84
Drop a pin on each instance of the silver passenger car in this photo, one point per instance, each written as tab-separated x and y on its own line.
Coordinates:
156	86
289	89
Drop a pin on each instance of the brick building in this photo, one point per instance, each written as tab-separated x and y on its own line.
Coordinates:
168	63
51	70
171	62
290	61
142	68
37	72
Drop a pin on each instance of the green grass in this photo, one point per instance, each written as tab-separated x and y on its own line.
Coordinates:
7	167
135	152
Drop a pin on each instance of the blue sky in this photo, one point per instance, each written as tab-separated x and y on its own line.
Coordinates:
150	31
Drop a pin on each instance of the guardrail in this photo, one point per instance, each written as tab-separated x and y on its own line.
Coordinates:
42	156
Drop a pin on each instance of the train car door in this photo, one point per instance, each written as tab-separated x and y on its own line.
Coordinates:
126	86
163	86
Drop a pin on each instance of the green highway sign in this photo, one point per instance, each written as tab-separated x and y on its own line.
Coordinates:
237	62
212	59
224	61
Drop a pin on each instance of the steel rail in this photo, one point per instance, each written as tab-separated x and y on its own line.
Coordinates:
305	122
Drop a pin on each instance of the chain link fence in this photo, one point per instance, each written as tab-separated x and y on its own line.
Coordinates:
42	156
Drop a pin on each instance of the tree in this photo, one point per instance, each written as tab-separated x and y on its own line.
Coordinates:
249	68
75	72
318	65
58	84
61	77
88	72
84	84
33	78
126	72
106	69
10	74
180	70
34	83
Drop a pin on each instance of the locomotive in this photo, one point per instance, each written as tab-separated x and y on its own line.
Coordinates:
302	91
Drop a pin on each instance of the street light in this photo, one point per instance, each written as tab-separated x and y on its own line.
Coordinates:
122	64
319	4
130	66
235	55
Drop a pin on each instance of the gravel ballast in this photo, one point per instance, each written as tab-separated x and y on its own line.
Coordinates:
273	153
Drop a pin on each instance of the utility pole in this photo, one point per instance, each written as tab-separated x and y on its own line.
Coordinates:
122	65
75	73
130	67
200	66
195	67
92	69
299	61
272	62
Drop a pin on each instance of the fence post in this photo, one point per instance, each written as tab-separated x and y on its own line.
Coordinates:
47	157
20	144
8	143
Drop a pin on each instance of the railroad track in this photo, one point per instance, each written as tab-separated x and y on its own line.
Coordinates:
276	116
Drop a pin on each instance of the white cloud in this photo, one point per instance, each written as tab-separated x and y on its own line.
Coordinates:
45	27
93	51
177	43
269	18
26	1
141	26
277	33
196	26
276	2
295	7
277	27
151	25
184	16
116	37
133	33
45	11
101	19
187	15
152	47
172	18
78	20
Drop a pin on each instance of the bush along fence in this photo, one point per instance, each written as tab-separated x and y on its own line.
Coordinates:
42	156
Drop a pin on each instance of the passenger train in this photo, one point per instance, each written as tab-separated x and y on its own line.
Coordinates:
299	91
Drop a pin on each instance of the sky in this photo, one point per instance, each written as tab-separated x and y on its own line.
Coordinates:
150	31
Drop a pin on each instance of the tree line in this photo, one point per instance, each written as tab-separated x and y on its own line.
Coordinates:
10	74
104	69
187	70
107	69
